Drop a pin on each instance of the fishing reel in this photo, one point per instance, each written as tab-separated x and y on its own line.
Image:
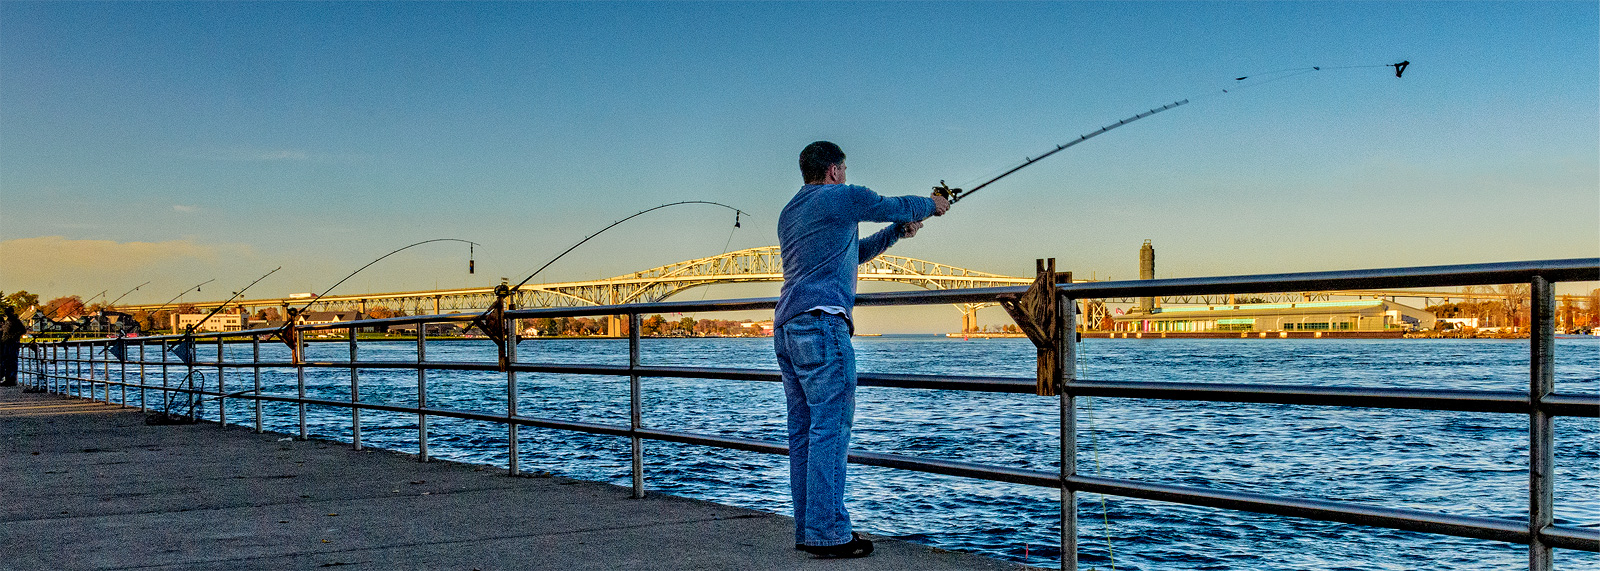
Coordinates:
950	194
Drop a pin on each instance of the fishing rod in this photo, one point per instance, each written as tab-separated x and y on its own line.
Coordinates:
96	296
189	332
117	348
195	287
184	349
471	264
119	298
955	194
492	321
287	332
51	316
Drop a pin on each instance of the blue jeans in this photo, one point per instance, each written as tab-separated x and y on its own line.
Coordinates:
819	379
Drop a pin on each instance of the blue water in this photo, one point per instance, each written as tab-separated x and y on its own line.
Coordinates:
1458	463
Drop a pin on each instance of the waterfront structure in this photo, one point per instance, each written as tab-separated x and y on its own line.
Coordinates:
322	317
218	323
1312	316
1147	271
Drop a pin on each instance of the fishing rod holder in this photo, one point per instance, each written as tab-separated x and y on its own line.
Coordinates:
493	324
291	336
1037	312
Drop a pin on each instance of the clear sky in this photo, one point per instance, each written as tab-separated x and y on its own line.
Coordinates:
179	142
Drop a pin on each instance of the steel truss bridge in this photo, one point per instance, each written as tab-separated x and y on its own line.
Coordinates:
761	264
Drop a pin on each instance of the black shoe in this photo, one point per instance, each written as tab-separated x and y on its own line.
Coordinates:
8	384
857	547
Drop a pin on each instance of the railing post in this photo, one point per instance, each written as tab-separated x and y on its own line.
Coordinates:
143	406
1067	353
166	396
122	374
1541	435
300	377
635	414
92	367
355	394
510	327
106	370
222	389
255	358
422	392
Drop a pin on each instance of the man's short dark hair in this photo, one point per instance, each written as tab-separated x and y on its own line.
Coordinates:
817	158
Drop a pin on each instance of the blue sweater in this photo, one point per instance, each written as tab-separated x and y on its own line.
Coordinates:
821	247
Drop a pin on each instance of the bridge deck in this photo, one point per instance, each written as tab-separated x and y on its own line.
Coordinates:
90	486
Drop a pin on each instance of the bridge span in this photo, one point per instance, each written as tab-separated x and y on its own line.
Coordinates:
761	264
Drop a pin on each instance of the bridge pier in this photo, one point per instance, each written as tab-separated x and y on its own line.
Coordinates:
616	326
969	318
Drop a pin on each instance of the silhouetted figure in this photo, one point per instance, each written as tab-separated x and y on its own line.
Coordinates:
11	331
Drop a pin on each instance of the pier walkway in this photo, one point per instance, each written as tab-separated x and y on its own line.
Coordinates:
88	485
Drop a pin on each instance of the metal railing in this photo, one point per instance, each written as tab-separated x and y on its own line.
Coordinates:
63	368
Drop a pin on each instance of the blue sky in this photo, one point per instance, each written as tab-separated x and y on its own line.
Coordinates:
178	142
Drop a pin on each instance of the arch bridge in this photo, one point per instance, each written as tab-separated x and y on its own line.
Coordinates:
762	264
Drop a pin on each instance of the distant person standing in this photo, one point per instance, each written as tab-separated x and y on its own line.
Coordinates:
819	237
11	331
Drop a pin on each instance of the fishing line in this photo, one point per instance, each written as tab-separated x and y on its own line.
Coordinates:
706	291
1094	448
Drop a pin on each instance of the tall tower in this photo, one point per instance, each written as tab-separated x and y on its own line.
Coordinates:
1147	271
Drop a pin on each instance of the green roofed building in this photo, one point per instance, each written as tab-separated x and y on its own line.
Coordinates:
1309	316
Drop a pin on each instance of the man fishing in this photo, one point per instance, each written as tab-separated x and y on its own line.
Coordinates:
819	236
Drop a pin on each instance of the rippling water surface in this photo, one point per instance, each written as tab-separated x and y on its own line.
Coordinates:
1448	462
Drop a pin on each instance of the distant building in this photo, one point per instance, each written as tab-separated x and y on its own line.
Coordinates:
222	321
1357	315
753	328
321	317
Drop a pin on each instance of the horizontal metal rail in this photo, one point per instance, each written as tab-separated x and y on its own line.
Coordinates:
1303	395
1540	403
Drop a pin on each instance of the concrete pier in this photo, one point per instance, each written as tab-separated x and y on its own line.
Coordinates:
88	485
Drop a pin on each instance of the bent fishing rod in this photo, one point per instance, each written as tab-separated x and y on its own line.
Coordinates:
955	194
189	332
492	321
125	294
287	332
471	264
184	349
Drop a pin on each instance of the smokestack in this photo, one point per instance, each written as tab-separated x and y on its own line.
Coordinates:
1147	271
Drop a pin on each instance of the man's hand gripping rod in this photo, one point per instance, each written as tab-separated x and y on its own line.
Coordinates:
955	195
